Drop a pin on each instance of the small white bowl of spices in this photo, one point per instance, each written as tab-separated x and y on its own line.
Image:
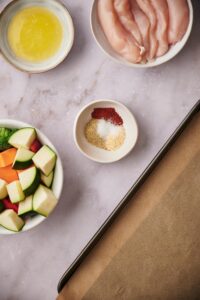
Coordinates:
105	131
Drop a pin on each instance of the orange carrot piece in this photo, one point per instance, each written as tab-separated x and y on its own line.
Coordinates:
7	157
8	174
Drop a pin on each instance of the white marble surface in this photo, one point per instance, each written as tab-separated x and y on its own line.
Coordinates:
32	263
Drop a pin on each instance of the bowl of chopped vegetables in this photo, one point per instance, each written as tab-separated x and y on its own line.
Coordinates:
31	176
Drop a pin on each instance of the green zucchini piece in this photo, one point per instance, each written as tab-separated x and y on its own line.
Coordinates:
3	189
15	192
23	138
1	207
11	221
23	159
30	180
45	160
47	180
44	201
25	206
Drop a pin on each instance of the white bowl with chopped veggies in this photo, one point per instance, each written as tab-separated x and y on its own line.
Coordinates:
31	177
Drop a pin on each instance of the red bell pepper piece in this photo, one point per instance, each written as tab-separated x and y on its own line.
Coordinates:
9	205
36	145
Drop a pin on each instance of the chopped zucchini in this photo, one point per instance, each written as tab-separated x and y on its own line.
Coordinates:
15	192
11	221
44	201
26	206
45	160
3	189
23	138
1	207
30	180
47	180
29	215
23	159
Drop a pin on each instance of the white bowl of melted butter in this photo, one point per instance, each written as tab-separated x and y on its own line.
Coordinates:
35	35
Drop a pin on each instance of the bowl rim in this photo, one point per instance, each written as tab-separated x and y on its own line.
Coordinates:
72	29
21	124
154	63
75	130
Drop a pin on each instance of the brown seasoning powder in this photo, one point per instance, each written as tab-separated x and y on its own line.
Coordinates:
111	143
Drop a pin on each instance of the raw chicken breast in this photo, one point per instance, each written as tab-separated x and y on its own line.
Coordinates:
123	9
178	19
142	22
120	40
147	8
162	14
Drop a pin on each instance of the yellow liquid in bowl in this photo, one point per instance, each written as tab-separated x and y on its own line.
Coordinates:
35	34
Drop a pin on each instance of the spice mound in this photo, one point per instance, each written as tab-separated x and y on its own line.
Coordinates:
105	130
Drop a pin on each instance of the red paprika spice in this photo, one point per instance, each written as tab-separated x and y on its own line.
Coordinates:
107	113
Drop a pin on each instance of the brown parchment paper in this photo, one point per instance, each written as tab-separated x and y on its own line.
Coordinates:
152	250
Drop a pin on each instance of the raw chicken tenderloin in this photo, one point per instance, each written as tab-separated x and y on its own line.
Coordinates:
148	9
120	40
142	22
162	14
123	9
178	19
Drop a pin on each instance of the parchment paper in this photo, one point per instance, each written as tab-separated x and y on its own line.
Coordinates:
152	250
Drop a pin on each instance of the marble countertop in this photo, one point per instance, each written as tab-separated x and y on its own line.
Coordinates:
32	262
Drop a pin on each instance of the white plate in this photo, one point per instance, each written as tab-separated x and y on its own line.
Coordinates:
58	175
95	153
68	34
105	46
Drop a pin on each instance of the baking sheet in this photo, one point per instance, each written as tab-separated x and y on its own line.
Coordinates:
150	251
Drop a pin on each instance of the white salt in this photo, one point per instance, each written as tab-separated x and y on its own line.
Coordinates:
105	128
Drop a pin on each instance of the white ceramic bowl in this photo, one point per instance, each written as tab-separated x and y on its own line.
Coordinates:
105	46
101	155
58	175
68	34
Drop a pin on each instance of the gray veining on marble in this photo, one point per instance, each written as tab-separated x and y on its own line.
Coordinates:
32	262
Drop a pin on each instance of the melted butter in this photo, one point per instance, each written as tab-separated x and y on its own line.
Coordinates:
35	34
